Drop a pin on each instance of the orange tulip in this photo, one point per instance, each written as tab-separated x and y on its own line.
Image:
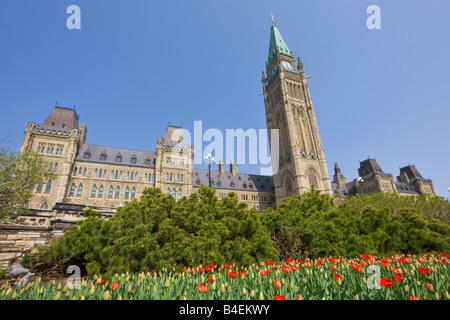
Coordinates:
286	270
264	272
413	298
277	284
277	297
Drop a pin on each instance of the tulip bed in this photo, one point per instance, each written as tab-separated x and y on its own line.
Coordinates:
401	277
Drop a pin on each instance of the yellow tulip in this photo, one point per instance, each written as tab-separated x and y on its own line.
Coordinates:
261	297
167	283
14	295
106	296
58	295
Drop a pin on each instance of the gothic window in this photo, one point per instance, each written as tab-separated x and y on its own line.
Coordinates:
179	193
100	191
94	191
133	193
120	176
170	177
48	187
55	168
135	176
145	177
168	191
40	186
116	175
153	178
128	175
178	178
181	164
312	178
132	176
182	176
127	193
174	193
80	190
84	172
95	173
167	177
105	174
111	191
80	171
44	206
112	174
117	192
72	190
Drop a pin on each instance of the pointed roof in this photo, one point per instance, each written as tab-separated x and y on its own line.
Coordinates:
411	172
61	119
276	40
370	166
174	136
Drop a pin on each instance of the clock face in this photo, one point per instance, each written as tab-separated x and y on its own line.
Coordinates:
287	65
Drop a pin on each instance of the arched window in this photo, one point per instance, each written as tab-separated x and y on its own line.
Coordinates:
48	187
145	177
133	193
72	190
117	192
178	178
174	193
168	191
100	191
79	171
44	206
153	177
94	191
128	175
136	176
117	175
182	178
170	177
80	190
127	193
55	168
112	174
100	173
167	177
95	173
84	172
105	174
132	176
40	186
179	193
75	171
111	191
120	176
313	179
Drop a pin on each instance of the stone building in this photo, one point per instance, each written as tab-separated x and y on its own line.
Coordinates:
372	179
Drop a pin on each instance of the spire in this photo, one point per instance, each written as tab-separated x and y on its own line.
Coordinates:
276	40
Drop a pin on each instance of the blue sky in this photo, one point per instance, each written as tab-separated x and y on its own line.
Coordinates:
136	65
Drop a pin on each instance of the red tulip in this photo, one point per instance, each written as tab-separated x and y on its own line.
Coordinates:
203	288
185	270
286	270
387	283
277	297
334	267
425	271
264	272
413	298
210	279
208	269
399	278
232	274
115	286
320	262
337	276
429	287
227	265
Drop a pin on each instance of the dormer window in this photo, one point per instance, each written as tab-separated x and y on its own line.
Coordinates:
133	160
103	157
118	158
147	162
87	155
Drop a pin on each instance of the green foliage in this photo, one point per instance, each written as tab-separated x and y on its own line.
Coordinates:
18	174
157	231
312	225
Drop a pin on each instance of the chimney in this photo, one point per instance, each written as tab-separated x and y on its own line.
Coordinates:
232	168
221	168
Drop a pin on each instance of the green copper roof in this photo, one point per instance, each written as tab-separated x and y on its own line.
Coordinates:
277	40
